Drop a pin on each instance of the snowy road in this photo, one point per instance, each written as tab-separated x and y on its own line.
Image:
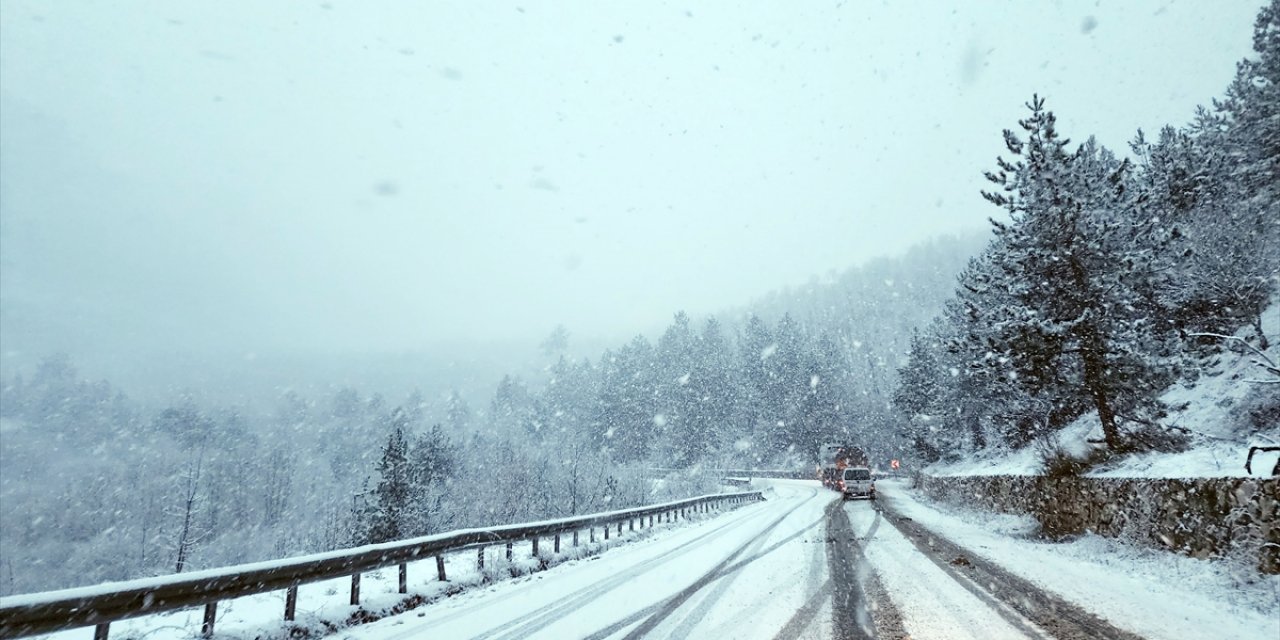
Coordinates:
760	571
802	564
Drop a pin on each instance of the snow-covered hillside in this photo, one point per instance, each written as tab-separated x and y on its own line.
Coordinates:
1229	408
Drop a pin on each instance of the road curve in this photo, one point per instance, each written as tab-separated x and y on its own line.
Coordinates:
746	574
802	565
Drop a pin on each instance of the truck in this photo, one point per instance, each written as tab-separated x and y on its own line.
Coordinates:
838	458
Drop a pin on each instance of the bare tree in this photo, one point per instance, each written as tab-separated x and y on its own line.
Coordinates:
190	497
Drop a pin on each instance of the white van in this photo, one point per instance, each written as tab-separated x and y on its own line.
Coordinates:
856	481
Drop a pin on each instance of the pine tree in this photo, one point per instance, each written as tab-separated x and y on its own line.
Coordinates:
432	465
920	395
711	425
675	392
759	414
1238	253
626	412
1077	273
385	517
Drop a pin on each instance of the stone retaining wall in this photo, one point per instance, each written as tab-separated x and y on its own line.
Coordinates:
1201	517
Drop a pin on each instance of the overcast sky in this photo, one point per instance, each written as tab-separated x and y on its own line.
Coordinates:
368	176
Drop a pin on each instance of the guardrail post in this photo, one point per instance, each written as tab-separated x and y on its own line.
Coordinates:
592	533
535	546
404	577
606	531
100	632
508	552
291	603
631	524
480	558
556	548
575	537
619	528
440	567
355	589
210	614
651	521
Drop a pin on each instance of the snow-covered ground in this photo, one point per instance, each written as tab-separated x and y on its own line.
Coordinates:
1211	407
1149	592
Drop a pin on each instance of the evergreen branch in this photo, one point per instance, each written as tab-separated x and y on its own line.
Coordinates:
1266	362
1174	427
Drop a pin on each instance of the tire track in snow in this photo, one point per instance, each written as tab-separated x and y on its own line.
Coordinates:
806	614
659	611
885	616
672	604
819	594
722	526
850	617
1027	607
582	597
733	573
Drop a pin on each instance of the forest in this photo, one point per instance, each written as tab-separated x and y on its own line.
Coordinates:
98	486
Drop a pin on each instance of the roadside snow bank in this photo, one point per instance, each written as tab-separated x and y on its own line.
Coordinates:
1149	592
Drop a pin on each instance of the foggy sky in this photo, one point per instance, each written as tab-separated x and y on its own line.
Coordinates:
249	176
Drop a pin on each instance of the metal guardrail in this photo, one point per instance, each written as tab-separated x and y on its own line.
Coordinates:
33	614
807	474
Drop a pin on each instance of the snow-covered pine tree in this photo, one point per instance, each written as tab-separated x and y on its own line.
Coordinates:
755	346
991	391
431	462
1236	243
712	428
625	413
920	395
1077	273
384	516
1252	106
675	397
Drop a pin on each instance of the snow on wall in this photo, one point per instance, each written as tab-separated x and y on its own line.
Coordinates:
1201	517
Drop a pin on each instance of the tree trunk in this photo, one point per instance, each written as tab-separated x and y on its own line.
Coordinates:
1094	380
183	539
1263	344
975	429
192	489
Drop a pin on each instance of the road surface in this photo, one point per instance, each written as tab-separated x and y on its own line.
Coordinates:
802	564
